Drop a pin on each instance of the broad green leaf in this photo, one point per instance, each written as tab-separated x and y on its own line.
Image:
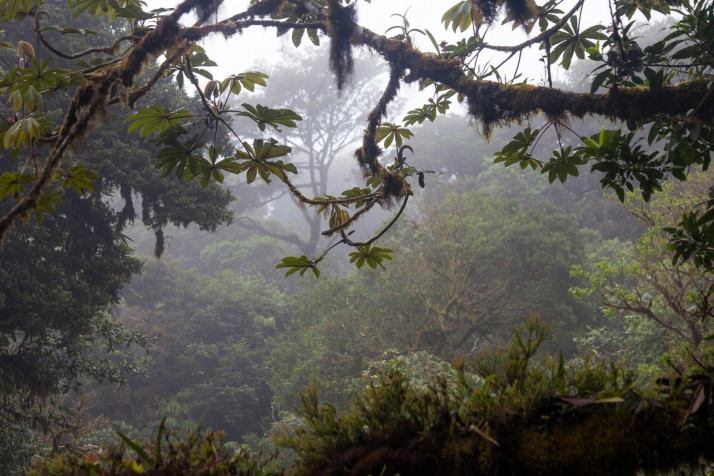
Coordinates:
248	80
13	184
371	255
461	16
22	133
47	205
80	178
389	132
111	8
301	264
156	119
263	116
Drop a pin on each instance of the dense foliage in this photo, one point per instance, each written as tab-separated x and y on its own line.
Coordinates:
526	415
456	271
209	362
59	280
643	92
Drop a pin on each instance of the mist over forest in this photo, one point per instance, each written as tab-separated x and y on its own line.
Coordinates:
529	297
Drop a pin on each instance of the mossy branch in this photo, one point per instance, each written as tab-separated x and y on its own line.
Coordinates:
495	103
90	101
381	233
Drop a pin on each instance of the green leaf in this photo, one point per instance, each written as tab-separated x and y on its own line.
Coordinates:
461	16
301	264
516	151
79	178
419	115
157	448
263	116
563	164
248	80
156	119
15	7
22	133
262	150
389	132
297	36
179	156
13	183
47	205
111	8
372	255
137	448
314	38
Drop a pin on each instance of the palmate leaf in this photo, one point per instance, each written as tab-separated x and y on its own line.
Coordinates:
389	133
371	255
213	169
13	183
623	163
263	150
40	76
111	8
200	167
10	8
461	16
562	164
265	170
47	205
255	160
79	178
516	151
263	116
22	133
178	155
693	238
301	264
248	80
419	115
361	194
199	60
569	41
156	119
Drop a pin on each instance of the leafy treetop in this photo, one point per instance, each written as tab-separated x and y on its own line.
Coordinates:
664	90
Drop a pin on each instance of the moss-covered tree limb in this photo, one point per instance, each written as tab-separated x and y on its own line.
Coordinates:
90	100
490	103
494	103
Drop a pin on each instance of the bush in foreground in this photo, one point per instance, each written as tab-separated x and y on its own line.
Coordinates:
514	411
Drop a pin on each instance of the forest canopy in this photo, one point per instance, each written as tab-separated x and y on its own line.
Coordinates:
663	89
115	113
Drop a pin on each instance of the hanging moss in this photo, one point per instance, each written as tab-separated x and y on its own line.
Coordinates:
340	26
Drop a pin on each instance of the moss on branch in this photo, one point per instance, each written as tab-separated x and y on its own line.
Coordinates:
494	103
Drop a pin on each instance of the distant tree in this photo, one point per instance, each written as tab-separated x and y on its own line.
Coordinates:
331	125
